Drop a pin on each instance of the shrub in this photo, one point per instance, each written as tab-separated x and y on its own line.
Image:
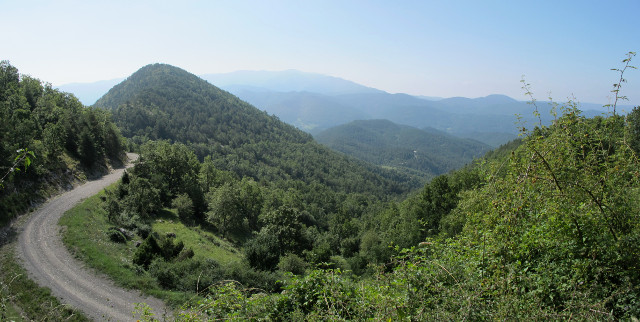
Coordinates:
184	207
146	252
116	236
292	263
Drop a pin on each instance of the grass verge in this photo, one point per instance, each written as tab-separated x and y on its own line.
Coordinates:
85	235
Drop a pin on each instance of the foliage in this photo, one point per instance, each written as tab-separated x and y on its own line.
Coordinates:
24	157
281	233
51	132
184	206
155	246
546	228
292	263
402	147
224	205
633	126
562	214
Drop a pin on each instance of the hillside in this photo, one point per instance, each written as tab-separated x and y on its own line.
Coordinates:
162	102
399	146
545	229
217	165
49	141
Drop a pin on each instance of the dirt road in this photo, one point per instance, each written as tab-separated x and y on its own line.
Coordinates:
50	264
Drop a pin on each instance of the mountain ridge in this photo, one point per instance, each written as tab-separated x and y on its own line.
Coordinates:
289	81
386	143
491	119
163	102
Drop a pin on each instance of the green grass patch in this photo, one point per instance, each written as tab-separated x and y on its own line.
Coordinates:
85	234
86	237
11	313
204	244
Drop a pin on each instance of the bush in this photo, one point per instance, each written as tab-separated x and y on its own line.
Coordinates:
147	252
184	207
116	236
143	230
292	263
185	254
262	252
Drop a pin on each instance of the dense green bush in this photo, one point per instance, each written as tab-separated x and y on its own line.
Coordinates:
547	231
115	235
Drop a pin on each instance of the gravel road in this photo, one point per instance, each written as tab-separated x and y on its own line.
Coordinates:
50	264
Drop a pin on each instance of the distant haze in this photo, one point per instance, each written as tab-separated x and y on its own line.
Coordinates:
315	102
463	48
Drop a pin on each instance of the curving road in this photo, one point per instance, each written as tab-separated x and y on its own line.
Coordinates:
50	264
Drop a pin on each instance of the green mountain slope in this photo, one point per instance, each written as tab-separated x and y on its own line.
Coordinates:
165	102
385	143
547	228
162	102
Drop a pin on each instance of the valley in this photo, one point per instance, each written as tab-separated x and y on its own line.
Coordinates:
232	212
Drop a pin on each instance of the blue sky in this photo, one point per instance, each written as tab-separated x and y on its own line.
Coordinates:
433	48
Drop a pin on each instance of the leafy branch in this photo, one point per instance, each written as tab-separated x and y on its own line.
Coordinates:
527	89
24	158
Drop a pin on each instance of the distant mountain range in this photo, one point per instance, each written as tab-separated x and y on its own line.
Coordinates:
163	102
315	102
286	81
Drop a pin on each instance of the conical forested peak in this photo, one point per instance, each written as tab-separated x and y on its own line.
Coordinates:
157	78
163	102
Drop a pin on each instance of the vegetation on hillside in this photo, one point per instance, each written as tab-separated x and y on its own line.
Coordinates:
288	204
546	227
51	133
549	230
402	147
162	102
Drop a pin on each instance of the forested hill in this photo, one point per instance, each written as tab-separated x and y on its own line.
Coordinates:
385	143
162	102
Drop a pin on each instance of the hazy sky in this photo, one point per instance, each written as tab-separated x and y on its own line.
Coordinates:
435	48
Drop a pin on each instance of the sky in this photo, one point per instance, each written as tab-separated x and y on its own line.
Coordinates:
564	49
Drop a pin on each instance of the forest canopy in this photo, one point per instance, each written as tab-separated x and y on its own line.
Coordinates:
59	133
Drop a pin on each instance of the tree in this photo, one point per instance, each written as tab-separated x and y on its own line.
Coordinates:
251	202
225	209
142	198
184	206
173	167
